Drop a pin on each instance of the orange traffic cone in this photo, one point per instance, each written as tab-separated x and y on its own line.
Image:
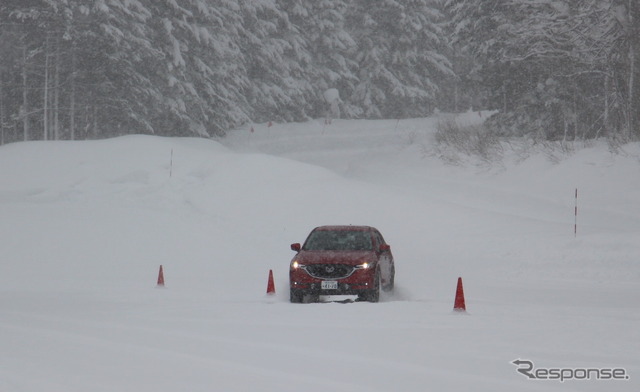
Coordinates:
161	277
459	305
271	287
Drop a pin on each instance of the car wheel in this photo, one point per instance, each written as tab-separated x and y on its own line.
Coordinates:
391	284
312	298
295	296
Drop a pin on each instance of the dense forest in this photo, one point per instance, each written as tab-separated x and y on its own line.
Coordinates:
83	69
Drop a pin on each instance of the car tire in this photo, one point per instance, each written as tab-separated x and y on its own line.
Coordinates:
390	286
295	296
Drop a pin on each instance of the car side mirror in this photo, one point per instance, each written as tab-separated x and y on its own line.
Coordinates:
385	248
296	247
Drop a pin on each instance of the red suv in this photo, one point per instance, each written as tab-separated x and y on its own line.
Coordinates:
341	260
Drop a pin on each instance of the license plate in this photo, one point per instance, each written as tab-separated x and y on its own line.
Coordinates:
329	285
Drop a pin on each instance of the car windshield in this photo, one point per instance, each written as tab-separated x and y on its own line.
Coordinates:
338	240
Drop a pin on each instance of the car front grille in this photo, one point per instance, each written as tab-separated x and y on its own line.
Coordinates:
329	271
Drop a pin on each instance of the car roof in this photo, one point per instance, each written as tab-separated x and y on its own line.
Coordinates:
344	227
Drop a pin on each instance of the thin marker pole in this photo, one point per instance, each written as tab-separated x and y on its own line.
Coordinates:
575	216
171	164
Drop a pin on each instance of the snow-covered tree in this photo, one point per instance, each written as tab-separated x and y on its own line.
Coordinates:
557	69
398	56
275	62
200	76
622	21
325	48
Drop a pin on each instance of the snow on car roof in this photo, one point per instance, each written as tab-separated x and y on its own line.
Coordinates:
345	227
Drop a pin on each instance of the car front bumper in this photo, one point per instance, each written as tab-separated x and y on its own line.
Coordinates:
359	282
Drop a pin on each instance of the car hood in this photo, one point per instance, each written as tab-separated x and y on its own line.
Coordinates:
334	257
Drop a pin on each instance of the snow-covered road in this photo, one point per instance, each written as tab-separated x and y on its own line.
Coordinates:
85	226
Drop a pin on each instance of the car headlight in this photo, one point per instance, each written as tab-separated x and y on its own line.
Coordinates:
295	264
363	266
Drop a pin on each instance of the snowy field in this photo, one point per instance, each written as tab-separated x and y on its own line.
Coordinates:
85	226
